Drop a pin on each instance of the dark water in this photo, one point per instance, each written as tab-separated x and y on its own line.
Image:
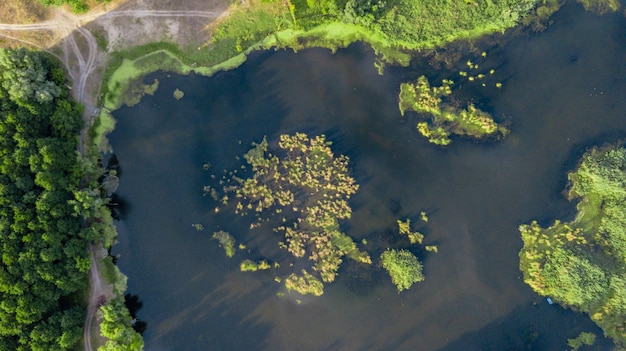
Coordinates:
564	89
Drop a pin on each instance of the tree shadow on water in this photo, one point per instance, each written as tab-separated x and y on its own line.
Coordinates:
222	319
535	326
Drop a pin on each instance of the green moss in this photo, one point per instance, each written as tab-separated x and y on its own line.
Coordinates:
103	125
127	77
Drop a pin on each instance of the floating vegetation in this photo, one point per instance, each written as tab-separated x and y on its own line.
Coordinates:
178	94
252	266
138	90
582	264
431	248
227	242
583	338
305	284
404	227
403	267
197	226
600	7
423	98
308	187
424	217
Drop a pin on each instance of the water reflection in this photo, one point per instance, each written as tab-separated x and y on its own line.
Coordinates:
475	195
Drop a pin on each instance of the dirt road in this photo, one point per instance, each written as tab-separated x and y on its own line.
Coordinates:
80	62
70	25
95	298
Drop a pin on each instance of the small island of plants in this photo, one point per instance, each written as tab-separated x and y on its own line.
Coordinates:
582	264
305	182
304	189
445	119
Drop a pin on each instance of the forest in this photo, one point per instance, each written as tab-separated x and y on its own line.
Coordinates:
582	264
50	207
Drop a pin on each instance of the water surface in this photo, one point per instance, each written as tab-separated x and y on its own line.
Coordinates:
563	91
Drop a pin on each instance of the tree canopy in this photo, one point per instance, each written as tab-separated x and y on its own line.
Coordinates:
582	264
44	251
51	207
117	327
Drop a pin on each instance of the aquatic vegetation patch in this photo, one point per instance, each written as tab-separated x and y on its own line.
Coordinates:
309	187
582	264
445	119
227	242
130	72
583	338
600	7
404	228
249	265
403	267
178	94
304	283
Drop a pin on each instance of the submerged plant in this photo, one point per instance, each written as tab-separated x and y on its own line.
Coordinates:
227	242
583	338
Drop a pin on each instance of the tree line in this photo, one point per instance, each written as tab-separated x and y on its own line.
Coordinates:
50	204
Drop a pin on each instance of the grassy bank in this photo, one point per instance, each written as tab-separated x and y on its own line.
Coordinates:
582	264
395	29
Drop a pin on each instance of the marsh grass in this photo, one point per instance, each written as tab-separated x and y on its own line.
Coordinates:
582	264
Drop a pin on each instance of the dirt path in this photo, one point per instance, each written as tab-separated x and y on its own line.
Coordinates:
96	297
80	62
70	24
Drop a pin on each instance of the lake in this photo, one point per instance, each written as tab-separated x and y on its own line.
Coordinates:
563	91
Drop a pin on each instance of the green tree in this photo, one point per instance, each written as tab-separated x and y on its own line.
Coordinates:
43	247
117	327
25	77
